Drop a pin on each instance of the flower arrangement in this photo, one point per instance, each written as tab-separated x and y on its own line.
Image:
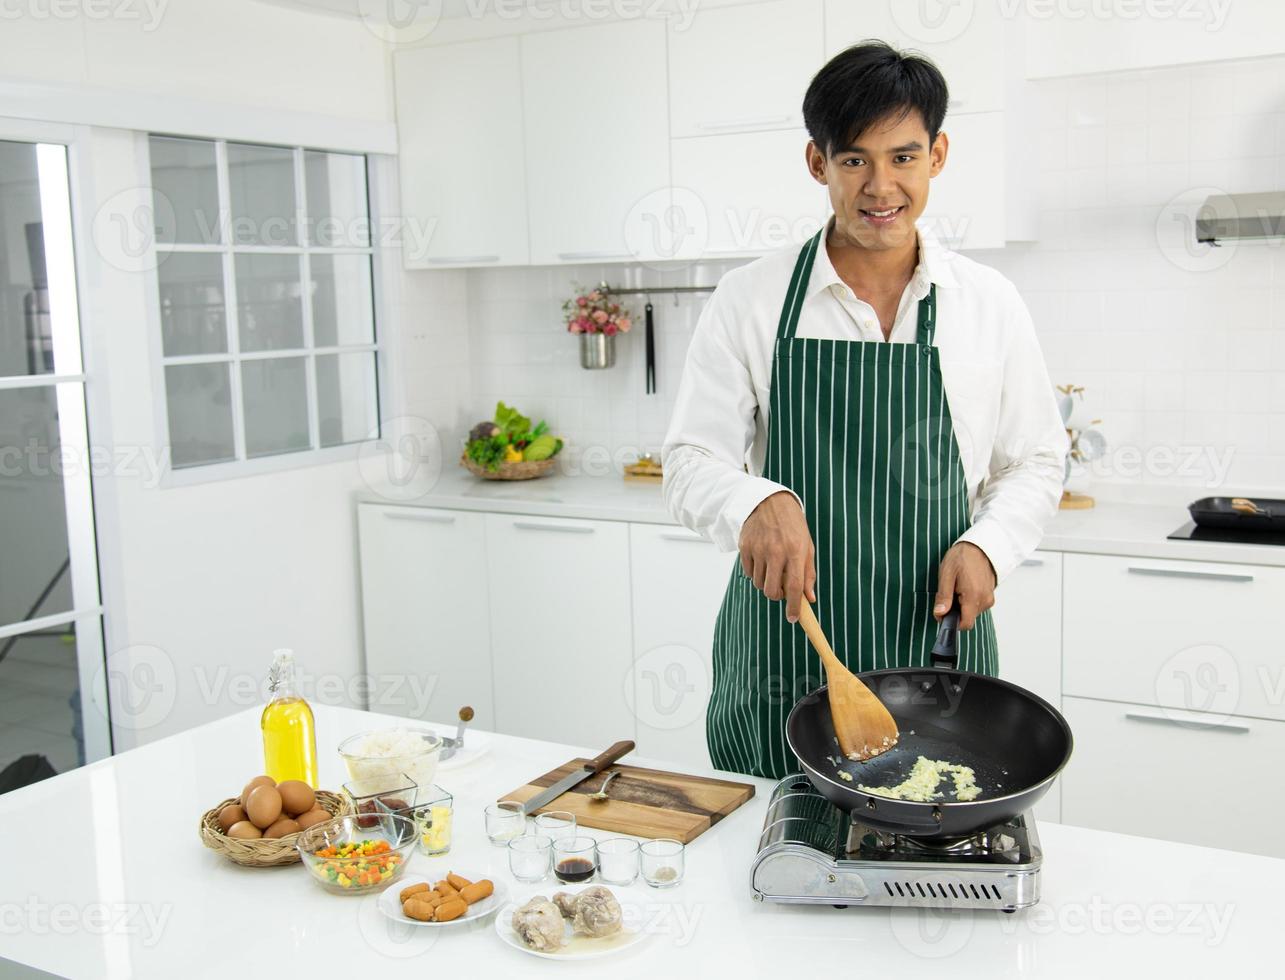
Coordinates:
594	311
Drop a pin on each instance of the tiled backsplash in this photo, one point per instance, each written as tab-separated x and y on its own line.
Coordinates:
1182	352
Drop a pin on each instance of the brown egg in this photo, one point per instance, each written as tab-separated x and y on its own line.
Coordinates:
230	814
296	796
256	781
282	827
244	831
314	816
263	806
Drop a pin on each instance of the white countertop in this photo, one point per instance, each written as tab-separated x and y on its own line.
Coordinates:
105	876
1113	527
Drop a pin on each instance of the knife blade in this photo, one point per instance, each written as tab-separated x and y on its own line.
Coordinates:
576	776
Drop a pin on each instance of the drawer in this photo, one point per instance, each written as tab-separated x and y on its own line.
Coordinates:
1132	761
1191	635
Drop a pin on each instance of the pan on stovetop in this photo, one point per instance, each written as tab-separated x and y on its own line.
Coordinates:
1239	513
1015	741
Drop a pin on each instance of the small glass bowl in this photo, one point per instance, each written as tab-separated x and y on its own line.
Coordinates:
433	816
575	860
505	820
618	860
330	854
374	795
530	857
556	824
662	862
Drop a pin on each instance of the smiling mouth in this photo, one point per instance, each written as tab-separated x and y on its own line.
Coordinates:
882	215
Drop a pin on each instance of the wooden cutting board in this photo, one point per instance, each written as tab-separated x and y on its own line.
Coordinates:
643	802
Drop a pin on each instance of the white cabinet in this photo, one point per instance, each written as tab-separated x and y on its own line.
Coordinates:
1179	634
597	142
459	124
1178	775
744	67
964	40
425	612
560	638
968	200
678	584
1028	628
733	209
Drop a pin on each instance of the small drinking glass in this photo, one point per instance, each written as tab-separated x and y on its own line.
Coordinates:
575	859
556	824
530	857
504	821
662	862
383	793
618	860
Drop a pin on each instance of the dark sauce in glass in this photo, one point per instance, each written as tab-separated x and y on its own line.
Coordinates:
574	869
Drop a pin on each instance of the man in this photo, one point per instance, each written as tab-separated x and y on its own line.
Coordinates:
868	419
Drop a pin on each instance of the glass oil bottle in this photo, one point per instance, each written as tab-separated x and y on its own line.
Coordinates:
289	732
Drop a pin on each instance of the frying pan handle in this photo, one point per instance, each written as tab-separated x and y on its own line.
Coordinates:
945	652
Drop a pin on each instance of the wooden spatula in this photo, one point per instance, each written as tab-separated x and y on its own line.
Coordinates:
862	724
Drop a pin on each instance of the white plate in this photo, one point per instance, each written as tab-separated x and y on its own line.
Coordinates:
390	903
577	947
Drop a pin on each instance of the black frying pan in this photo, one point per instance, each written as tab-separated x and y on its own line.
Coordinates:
1015	742
1239	513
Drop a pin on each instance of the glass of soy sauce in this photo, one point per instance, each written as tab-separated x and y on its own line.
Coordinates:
575	859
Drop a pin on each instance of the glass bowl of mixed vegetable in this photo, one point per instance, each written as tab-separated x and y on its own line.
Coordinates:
352	859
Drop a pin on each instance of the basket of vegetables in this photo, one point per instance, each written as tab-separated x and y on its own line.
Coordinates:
509	448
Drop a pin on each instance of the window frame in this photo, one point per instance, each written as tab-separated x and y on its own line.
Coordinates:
376	166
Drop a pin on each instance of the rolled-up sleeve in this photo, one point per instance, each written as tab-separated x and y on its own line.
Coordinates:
1021	492
706	454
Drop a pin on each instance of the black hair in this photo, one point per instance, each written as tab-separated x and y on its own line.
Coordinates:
866	83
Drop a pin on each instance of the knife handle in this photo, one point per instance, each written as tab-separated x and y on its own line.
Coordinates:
599	763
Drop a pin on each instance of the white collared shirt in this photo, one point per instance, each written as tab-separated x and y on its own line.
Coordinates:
1010	435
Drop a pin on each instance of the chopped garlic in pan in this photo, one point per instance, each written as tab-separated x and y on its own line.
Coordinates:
925	776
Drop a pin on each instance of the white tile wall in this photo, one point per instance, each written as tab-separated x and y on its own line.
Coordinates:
1182	351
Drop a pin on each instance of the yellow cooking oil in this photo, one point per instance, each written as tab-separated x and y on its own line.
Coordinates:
289	732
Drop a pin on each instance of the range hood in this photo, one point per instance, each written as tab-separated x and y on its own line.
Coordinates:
1241	217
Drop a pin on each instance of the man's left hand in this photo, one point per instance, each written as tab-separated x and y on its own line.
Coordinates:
965	572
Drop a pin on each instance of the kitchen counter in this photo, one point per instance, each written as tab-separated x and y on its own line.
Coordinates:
105	876
1113	527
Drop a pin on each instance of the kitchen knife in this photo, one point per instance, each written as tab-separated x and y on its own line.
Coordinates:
576	776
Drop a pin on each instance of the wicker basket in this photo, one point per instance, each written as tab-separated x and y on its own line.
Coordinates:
528	469
263	853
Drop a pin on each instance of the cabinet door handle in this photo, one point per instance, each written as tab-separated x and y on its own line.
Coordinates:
592	256
690	538
461	259
738	123
1185	573
1033	562
423	518
1212	726
556	528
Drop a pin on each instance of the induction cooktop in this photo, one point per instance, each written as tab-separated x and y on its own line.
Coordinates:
1190	532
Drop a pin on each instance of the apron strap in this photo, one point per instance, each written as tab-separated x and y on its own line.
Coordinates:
793	305
927	317
798	287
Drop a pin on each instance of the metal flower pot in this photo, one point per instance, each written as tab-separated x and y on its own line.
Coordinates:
597	350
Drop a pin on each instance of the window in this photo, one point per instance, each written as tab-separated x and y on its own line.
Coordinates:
265	281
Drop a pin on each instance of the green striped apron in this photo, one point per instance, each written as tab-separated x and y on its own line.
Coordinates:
862	432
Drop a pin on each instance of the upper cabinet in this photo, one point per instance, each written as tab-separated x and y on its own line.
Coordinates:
968	201
743	68
597	142
964	40
463	181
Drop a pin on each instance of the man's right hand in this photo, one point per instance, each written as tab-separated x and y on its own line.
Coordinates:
777	553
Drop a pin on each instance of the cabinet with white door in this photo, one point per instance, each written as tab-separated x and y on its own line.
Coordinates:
561	648
678	583
744	67
968	201
426	612
463	182
596	126
1028	628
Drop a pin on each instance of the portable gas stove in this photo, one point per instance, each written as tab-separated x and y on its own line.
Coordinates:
811	852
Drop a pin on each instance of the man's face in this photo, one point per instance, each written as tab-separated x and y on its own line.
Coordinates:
879	186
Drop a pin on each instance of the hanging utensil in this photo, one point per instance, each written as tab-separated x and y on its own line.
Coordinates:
651	347
863	726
